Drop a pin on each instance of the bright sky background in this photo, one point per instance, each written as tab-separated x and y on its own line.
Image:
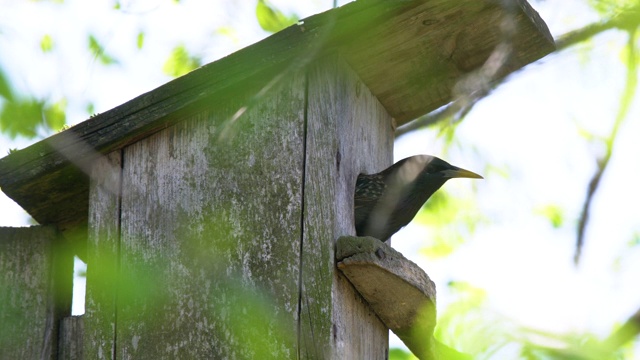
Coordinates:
529	126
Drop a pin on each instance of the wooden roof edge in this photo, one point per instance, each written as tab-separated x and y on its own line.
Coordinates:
28	175
205	82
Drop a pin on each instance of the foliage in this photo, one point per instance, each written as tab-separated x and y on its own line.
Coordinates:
467	324
180	62
26	116
97	49
272	19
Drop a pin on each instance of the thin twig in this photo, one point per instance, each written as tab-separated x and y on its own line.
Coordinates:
629	19
627	96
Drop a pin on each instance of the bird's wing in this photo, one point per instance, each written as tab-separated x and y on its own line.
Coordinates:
369	189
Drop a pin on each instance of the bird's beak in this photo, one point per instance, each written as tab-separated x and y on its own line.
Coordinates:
456	172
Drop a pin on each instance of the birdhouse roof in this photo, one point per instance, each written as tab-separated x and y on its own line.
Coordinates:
410	54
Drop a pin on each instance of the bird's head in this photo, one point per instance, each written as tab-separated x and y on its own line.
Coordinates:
426	167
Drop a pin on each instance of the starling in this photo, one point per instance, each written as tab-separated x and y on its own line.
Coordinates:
387	201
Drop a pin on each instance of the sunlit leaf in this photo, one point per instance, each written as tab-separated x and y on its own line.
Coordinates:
272	19
21	118
228	32
5	87
450	221
90	108
468	325
140	40
98	51
399	354
55	115
180	62
553	213
46	43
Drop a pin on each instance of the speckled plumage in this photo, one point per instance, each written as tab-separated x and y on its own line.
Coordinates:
387	201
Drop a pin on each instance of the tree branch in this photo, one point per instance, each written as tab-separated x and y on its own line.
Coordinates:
627	97
627	20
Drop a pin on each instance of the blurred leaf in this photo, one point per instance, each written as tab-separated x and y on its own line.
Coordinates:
180	62
272	19
21	118
90	108
5	88
46	43
553	213
450	220
611	8
140	40
55	115
26	117
399	354
467	325
635	240
98	51
117	5
229	32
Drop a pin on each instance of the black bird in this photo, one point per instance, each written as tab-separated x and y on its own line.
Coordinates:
389	200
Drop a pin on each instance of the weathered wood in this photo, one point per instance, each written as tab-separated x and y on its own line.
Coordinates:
211	229
34	293
398	290
71	338
103	258
412	63
348	132
409	53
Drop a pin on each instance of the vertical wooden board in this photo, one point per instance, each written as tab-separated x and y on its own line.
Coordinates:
27	319
211	231
102	257
71	338
348	132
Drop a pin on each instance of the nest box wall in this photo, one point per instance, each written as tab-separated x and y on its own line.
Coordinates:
213	202
206	228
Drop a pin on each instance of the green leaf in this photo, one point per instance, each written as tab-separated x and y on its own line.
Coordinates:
180	62
46	43
140	40
399	354
272	19
26	117
98	51
55	115
5	88
553	213
21	118
90	108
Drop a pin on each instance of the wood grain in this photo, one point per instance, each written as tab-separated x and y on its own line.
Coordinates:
410	54
103	253
348	132
211	228
35	292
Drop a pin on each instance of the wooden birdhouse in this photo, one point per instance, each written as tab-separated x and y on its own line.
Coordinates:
208	209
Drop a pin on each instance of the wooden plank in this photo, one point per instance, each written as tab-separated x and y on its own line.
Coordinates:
409	53
102	258
400	293
211	229
71	338
413	63
35	293
348	132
